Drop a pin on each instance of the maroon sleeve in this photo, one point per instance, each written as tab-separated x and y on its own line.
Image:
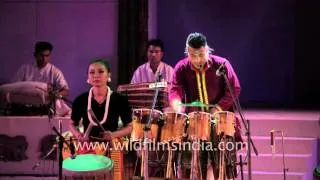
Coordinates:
176	91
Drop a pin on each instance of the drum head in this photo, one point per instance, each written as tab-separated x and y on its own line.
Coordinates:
87	162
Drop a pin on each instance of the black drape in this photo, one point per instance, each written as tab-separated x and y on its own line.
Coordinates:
132	37
307	63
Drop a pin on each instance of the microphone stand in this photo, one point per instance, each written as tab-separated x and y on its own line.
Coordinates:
144	157
44	157
283	159
246	125
61	140
241	167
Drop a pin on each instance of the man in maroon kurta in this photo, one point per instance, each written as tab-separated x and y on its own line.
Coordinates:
195	79
185	83
195	76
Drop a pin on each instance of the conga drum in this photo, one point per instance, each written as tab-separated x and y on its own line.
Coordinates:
174	126
199	125
140	118
225	123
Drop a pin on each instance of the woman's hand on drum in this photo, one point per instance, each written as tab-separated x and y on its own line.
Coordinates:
80	137
108	135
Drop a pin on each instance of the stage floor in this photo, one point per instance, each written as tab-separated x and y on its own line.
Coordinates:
300	127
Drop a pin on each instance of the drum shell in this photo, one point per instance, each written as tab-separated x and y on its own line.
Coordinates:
174	126
104	172
199	125
140	118
225	123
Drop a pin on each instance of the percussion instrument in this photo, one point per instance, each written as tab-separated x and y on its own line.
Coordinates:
225	128
199	125
174	126
115	153
86	147
225	123
25	92
100	149
88	166
140	118
141	95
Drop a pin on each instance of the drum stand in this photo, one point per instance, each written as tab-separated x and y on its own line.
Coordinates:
144	157
169	162
44	157
177	165
59	147
195	161
61	140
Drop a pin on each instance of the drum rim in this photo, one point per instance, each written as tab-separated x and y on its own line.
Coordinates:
147	109
184	114
220	112
201	112
104	169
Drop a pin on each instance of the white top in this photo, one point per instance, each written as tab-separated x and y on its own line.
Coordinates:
145	74
48	74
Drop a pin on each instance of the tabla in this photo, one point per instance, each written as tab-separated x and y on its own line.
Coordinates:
87	166
225	123
140	118
174	126
199	125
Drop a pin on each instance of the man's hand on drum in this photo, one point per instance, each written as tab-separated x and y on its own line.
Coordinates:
177	107
215	109
108	135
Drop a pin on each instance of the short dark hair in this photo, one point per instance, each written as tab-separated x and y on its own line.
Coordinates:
155	42
41	46
101	61
196	40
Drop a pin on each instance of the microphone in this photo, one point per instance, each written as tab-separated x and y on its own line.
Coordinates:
272	138
159	76
272	141
200	66
220	70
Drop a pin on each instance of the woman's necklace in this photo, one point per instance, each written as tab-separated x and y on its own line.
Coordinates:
105	110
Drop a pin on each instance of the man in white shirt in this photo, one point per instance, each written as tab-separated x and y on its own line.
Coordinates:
42	70
149	71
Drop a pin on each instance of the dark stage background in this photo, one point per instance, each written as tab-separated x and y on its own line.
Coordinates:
272	45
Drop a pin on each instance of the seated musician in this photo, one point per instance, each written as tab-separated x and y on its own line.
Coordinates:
195	79
149	71
106	105
42	70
